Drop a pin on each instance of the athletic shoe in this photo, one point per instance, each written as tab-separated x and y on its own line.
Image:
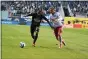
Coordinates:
33	45
60	46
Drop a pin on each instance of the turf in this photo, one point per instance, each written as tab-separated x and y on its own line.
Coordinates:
46	48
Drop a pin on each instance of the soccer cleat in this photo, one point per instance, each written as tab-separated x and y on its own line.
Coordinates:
60	46
33	45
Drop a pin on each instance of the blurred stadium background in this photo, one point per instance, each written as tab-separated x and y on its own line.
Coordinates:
75	13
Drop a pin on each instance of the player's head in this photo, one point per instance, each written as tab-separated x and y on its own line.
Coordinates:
41	12
52	10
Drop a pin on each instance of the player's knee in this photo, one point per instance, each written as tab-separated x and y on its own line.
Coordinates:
37	30
59	34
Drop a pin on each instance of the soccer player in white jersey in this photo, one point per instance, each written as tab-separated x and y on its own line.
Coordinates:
56	20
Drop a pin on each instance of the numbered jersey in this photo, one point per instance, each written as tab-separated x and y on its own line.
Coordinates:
56	19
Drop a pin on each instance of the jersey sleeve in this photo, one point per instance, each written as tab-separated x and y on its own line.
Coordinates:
59	16
47	21
32	14
44	18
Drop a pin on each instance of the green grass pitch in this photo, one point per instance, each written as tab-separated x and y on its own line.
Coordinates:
46	48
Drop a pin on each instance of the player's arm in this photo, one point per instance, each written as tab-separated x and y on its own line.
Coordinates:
30	14
48	22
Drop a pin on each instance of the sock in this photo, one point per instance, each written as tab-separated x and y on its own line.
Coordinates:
60	38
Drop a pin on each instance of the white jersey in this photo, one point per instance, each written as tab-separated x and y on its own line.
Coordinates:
56	19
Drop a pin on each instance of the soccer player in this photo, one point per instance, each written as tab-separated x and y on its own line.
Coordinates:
56	20
36	20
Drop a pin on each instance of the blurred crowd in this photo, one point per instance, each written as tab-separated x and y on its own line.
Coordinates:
28	6
79	7
22	7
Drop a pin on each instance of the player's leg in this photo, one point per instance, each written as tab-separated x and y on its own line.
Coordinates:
32	30
63	42
56	34
35	35
60	36
61	30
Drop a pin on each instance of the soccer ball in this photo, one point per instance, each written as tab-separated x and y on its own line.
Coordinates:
22	44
